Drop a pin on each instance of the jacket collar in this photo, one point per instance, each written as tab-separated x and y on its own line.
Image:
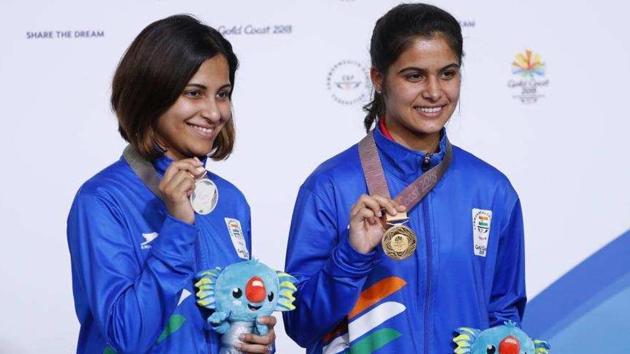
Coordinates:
404	163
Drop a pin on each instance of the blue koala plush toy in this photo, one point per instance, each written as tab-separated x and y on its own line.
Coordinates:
506	339
241	293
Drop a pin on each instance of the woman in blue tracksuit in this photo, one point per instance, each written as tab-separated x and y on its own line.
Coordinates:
136	239
468	268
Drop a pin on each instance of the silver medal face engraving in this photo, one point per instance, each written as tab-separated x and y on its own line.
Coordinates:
205	196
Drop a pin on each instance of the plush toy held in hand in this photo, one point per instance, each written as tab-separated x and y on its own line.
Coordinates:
506	339
239	295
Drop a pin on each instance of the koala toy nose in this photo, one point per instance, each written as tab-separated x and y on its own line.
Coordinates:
255	290
509	345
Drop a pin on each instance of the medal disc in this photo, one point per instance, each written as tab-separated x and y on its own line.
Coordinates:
399	242
205	196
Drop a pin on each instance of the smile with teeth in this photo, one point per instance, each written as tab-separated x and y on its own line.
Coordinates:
430	109
202	130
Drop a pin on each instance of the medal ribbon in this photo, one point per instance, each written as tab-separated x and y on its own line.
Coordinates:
143	169
413	193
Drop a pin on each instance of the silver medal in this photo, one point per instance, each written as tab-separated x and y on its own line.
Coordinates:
205	196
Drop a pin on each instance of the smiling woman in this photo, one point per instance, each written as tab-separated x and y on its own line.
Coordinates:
141	229
420	91
190	126
403	238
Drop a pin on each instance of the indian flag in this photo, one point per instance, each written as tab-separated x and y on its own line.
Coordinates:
353	337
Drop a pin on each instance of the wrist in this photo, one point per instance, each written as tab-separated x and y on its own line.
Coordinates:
345	261
359	248
183	216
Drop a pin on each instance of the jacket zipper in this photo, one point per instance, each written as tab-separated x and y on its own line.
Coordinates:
202	251
427	230
426	163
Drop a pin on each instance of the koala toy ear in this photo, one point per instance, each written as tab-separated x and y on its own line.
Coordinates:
285	293
206	283
465	338
541	346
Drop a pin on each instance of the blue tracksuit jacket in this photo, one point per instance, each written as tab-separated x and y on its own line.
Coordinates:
468	269
133	265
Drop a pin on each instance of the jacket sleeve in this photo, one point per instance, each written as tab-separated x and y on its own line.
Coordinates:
329	271
508	296
130	301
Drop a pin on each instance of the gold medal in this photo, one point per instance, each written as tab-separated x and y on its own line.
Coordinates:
399	241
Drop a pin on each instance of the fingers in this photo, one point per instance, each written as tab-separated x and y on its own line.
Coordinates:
179	178
265	340
253	348
180	185
366	202
366	215
376	204
270	321
389	205
192	166
252	343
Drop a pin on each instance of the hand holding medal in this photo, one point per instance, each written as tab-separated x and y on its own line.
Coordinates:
399	241
178	185
367	221
185	189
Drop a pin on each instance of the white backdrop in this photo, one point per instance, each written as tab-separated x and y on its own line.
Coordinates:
566	153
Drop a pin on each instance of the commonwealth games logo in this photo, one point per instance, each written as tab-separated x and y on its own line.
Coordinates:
529	70
348	82
528	65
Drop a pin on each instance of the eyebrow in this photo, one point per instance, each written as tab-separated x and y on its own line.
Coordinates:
453	65
200	86
203	87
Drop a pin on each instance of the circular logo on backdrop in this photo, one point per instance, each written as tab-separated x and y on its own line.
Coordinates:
348	82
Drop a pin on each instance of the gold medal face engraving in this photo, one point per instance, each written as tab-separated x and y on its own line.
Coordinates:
399	241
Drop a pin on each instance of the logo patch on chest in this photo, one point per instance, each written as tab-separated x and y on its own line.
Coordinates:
148	238
482	219
238	239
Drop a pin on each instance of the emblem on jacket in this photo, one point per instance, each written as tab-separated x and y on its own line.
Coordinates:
481	230
148	238
238	239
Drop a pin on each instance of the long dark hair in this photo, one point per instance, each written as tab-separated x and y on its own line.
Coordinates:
155	70
395	31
